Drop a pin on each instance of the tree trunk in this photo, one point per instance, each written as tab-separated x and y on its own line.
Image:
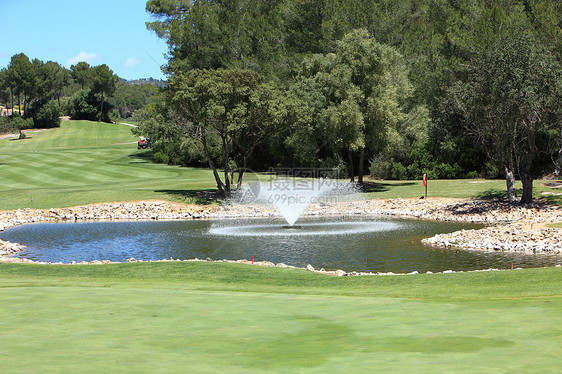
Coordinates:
213	167
510	182
240	176
19	104
527	181
12	97
361	164
226	165
101	108
351	170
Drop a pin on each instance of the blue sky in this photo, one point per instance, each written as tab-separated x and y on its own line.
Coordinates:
111	32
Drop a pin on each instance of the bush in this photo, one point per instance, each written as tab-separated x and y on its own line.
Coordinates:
86	105
83	105
20	123
10	125
46	115
380	167
161	157
399	171
446	171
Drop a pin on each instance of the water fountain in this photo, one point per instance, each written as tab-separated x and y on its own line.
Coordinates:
350	242
291	196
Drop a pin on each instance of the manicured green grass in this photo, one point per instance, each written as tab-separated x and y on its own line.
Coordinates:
87	162
456	188
214	317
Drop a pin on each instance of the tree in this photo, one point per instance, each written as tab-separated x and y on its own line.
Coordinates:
82	74
358	93
56	78
512	95
236	34
103	83
129	97
232	108
4	88
20	77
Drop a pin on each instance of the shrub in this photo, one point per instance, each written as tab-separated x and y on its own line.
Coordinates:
380	167
399	171
20	123
46	115
86	105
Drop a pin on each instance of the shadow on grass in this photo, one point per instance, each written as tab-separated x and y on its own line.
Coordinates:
496	200
199	197
552	199
493	193
143	157
383	187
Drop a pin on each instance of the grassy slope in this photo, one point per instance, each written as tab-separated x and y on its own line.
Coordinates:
86	162
212	317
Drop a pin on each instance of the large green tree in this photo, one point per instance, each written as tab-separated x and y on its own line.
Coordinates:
358	96
103	84
512	96
234	109
238	34
81	72
21	78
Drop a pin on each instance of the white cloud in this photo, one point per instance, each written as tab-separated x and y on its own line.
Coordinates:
131	63
88	57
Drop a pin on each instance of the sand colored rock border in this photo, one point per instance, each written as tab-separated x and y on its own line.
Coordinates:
510	227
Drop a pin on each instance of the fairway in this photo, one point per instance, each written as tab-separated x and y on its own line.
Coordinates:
205	317
86	162
211	317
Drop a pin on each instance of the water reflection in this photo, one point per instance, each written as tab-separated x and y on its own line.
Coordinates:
351	244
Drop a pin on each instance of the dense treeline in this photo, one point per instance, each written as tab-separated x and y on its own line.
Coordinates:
36	93
452	88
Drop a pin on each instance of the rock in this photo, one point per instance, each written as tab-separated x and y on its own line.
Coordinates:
340	273
309	267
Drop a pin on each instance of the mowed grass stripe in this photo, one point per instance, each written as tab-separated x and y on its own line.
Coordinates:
217	317
72	134
41	176
87	162
64	168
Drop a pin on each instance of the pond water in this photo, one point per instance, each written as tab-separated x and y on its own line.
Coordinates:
352	244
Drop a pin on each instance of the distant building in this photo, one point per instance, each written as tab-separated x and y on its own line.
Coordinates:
5	111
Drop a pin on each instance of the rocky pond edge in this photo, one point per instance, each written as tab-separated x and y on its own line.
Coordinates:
508	227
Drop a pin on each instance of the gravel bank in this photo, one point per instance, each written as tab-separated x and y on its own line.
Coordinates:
510	227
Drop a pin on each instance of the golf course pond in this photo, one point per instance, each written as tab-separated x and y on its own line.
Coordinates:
373	244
